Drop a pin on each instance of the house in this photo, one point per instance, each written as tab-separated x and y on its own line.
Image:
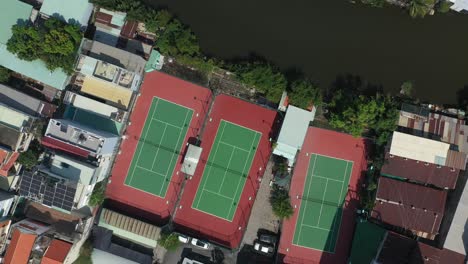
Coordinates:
6	202
293	132
11	13
62	182
20	247
114	29
420	172
80	140
410	206
130	228
15	137
25	103
459	5
426	150
373	244
57	252
5	225
73	11
100	256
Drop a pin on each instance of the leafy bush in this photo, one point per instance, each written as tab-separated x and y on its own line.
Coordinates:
303	93
29	158
169	241
98	195
4	74
374	3
54	42
443	6
280	202
86	251
420	8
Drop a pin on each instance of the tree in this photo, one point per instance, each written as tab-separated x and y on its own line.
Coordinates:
30	158
98	195
54	42
443	6
178	40
86	251
420	8
264	77
407	88
303	93
4	75
169	241
157	20
374	3
280	202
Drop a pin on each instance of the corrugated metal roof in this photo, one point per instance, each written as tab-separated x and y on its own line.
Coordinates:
456	160
130	228
71	11
10	13
89	104
12	117
25	103
409	206
119	96
419	148
441	176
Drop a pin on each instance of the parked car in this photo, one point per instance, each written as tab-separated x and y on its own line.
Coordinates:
184	239
264	248
269	239
200	244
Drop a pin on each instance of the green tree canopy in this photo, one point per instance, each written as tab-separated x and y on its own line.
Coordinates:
98	195
280	202
54	42
264	77
177	39
303	93
420	8
4	75
169	241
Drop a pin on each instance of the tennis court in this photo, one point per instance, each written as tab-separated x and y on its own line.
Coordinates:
226	170
158	147
322	200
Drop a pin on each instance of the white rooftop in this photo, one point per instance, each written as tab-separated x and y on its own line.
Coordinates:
191	159
459	5
456	237
293	132
419	148
12	118
89	104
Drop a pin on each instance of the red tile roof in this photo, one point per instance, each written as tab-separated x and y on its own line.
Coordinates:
56	252
400	249
440	176
20	248
409	206
7	160
57	144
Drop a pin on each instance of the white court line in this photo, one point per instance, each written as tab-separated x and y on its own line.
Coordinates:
206	190
143	168
323	199
305	206
227	144
157	151
243	171
209	170
167	124
144	138
318	227
317	176
173	153
227	168
331	157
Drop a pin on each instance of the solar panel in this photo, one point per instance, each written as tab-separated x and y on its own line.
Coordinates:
47	190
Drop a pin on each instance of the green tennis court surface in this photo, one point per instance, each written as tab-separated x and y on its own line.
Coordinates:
159	146
322	202
227	170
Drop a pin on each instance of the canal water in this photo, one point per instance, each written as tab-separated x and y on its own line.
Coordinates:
329	38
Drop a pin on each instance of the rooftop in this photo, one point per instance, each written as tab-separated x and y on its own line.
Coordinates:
13	118
427	173
113	93
25	103
9	137
57	252
11	12
410	206
73	12
419	148
20	248
75	134
89	118
398	249
7	160
367	241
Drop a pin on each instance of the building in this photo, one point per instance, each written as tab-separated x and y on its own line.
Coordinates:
5	225
410	206
75	12
6	201
459	5
61	182
15	137
11	12
80	140
420	172
130	228
25	103
293	132
57	252
100	256
373	244
113	29
20	247
426	150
